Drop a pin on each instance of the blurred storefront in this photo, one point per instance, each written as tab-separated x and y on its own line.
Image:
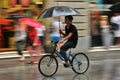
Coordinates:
97	9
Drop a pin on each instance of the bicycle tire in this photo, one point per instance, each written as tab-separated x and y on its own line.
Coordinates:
80	63
48	65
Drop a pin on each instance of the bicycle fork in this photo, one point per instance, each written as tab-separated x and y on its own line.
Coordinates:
50	61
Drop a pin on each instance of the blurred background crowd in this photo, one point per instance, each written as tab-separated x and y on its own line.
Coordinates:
100	17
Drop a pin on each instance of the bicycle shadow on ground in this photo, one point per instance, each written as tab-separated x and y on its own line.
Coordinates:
75	77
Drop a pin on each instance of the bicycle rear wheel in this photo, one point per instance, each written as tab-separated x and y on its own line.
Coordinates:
80	63
48	65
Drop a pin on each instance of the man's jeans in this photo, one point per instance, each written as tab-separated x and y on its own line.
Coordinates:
67	45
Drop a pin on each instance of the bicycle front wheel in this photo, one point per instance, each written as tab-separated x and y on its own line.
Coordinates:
48	65
80	63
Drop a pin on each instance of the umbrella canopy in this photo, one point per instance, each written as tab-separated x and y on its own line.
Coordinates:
115	7
31	22
4	21
15	16
58	11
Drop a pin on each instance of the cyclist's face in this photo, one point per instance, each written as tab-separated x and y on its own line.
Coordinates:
67	21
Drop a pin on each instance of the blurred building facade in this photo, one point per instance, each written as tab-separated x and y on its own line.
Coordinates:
82	21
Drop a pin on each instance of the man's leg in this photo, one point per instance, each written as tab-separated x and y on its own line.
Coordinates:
64	48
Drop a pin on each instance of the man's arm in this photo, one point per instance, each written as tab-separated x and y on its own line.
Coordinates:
67	37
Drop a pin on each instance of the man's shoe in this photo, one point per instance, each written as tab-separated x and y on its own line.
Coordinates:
66	64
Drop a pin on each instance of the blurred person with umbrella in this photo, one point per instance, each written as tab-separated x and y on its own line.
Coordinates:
33	41
15	13
33	44
20	34
70	35
20	38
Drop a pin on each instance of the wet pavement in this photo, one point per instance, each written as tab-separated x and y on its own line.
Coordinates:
103	66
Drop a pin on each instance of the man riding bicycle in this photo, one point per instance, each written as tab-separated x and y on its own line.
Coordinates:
70	38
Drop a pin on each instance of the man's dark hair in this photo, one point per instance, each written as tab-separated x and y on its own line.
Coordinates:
69	17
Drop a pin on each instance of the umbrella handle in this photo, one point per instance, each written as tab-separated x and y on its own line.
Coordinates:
59	22
59	25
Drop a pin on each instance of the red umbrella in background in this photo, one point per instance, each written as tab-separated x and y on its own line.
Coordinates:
4	21
31	22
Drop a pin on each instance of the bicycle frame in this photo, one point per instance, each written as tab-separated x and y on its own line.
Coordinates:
69	55
56	52
59	55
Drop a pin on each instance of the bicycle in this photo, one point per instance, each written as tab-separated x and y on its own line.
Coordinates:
48	64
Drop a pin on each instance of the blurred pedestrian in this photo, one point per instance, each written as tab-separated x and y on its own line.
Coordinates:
40	30
20	38
41	35
55	26
96	39
116	19
33	44
107	38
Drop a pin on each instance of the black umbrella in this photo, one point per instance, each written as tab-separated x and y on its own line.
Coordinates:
115	7
15	16
58	11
